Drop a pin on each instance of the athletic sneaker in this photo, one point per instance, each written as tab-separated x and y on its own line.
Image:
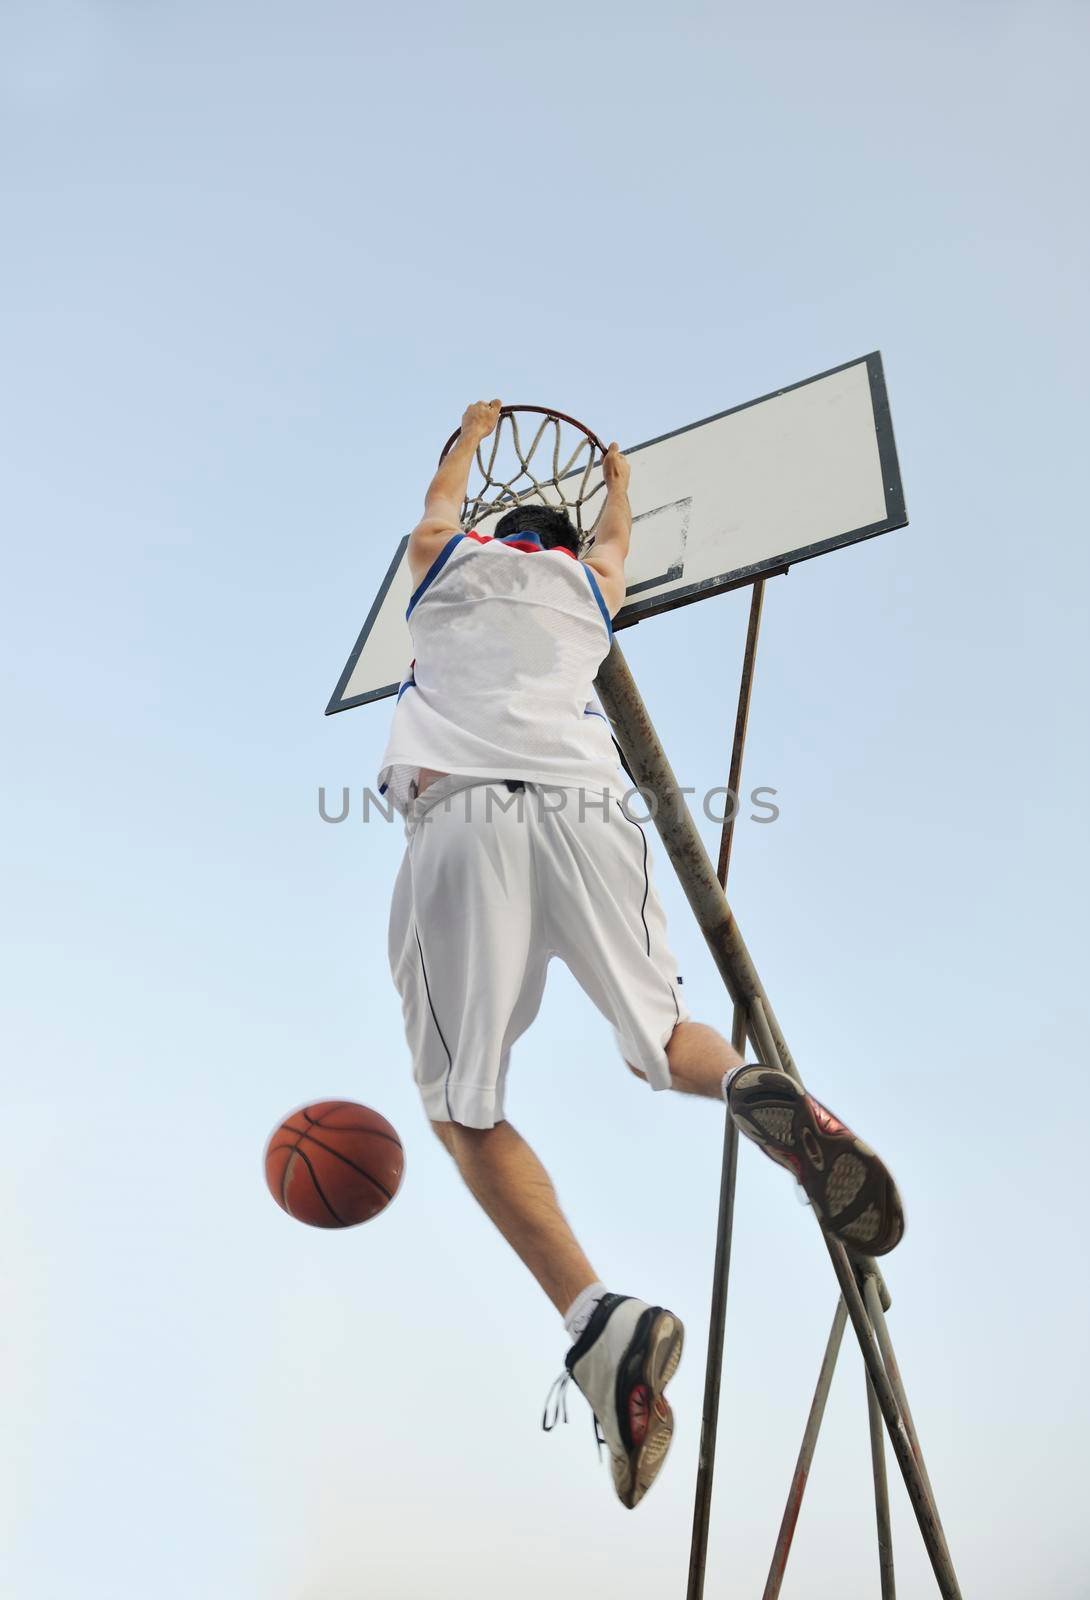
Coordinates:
849	1187
622	1361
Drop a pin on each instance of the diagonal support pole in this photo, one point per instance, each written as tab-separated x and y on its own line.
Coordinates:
884	1378
876	1308
776	1571
651	770
873	1277
912	1471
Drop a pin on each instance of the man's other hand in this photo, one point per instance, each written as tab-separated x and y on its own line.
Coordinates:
615	468
480	418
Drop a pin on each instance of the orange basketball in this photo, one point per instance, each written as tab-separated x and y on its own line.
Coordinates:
334	1164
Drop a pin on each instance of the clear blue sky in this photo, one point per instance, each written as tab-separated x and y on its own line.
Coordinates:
257	257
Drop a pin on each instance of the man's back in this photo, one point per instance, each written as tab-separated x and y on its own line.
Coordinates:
508	637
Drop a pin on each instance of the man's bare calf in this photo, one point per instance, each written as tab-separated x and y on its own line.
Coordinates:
699	1059
513	1187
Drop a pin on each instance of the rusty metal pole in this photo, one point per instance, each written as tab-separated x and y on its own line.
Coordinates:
806	1455
916	1481
652	773
881	1494
713	1372
877	1304
883	1378
649	766
741	724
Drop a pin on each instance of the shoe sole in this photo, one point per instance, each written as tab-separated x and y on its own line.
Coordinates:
665	1342
847	1183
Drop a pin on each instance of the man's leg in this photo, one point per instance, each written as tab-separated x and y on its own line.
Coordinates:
626	1352
849	1186
509	1182
511	1185
699	1060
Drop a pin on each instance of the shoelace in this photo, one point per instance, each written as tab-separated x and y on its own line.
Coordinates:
557	1396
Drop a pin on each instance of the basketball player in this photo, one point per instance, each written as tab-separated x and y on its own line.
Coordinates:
518	850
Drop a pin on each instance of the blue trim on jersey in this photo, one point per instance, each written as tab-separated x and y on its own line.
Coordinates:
587	712
521	538
434	570
602	607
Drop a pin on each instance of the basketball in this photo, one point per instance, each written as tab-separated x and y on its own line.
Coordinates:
334	1164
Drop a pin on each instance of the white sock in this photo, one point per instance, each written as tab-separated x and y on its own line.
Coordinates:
724	1087
581	1309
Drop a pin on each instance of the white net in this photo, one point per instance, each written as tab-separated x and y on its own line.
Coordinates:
540	457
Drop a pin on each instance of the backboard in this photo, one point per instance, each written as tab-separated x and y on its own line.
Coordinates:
717	504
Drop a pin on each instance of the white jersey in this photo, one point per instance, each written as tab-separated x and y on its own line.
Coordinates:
508	639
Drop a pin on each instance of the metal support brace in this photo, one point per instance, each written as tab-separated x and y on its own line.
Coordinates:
713	1374
806	1456
651	770
912	1470
881	1495
877	1305
647	762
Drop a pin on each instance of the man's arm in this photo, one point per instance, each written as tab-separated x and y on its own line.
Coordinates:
447	490
610	549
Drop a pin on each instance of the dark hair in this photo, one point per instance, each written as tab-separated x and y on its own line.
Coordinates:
552	526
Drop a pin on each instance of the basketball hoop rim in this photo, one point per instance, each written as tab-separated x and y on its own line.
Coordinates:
542	411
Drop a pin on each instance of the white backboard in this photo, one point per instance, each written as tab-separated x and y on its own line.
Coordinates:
717	504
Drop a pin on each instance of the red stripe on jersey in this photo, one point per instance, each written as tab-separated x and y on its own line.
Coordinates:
518	544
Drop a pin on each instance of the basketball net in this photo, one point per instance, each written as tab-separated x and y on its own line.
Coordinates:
555	461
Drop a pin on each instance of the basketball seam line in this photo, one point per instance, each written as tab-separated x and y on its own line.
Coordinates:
339	1105
328	1148
314	1179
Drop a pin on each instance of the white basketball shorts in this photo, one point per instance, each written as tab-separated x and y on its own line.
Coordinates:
495	883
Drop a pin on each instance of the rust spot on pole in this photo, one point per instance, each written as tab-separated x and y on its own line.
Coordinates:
651	771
